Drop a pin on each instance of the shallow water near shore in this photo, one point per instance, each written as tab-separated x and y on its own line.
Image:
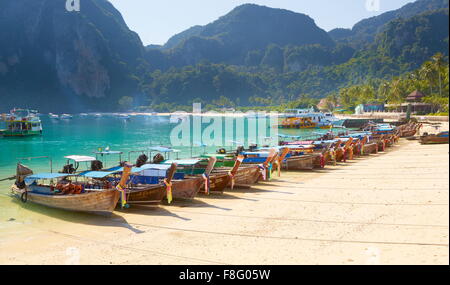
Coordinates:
83	136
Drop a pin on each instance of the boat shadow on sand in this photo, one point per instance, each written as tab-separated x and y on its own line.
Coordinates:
198	203
102	220
257	189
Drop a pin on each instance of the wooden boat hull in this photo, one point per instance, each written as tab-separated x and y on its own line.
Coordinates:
408	133
370	148
433	140
339	154
246	175
92	202
218	182
147	195
302	162
319	160
186	188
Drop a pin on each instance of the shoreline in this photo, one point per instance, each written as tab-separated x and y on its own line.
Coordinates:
380	209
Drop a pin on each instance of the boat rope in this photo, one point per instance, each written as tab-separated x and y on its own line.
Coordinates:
313	220
292	237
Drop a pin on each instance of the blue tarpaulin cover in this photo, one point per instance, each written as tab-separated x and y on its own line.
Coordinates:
97	174
47	176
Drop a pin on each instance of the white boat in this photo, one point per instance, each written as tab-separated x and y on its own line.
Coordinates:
124	116
53	116
21	123
66	117
318	118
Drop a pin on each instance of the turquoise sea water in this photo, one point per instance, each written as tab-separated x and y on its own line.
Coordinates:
83	136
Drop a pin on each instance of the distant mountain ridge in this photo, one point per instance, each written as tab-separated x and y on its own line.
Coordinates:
60	61
73	59
365	30
246	28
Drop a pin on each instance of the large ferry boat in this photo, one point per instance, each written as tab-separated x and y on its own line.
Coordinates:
307	119
21	123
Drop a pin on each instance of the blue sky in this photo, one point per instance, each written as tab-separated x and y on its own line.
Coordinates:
157	20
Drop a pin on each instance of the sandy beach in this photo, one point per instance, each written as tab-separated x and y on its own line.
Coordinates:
389	208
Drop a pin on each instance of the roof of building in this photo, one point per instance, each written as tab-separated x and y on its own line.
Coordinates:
415	96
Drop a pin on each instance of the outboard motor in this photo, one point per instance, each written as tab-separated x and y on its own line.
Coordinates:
96	165
158	158
22	171
68	169
141	160
239	150
252	147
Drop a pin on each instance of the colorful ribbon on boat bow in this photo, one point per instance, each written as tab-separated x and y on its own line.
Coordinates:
169	190
263	171
270	171
322	161
207	183
123	196
333	156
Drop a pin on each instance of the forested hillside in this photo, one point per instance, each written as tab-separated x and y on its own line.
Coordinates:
60	61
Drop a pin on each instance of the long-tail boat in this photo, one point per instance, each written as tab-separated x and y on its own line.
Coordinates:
145	185
221	177
299	157
188	187
440	138
63	191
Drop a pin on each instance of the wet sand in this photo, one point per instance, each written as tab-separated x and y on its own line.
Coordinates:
390	208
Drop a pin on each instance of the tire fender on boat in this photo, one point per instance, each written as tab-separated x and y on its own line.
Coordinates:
24	197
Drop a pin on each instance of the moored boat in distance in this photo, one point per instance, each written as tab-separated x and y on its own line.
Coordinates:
66	117
306	119
21	123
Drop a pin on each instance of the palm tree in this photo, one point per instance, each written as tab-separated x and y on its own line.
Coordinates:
438	62
383	90
395	95
427	73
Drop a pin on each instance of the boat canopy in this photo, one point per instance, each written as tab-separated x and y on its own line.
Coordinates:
258	153
80	158
163	167
183	161
47	176
115	170
97	174
359	135
163	149
32	178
